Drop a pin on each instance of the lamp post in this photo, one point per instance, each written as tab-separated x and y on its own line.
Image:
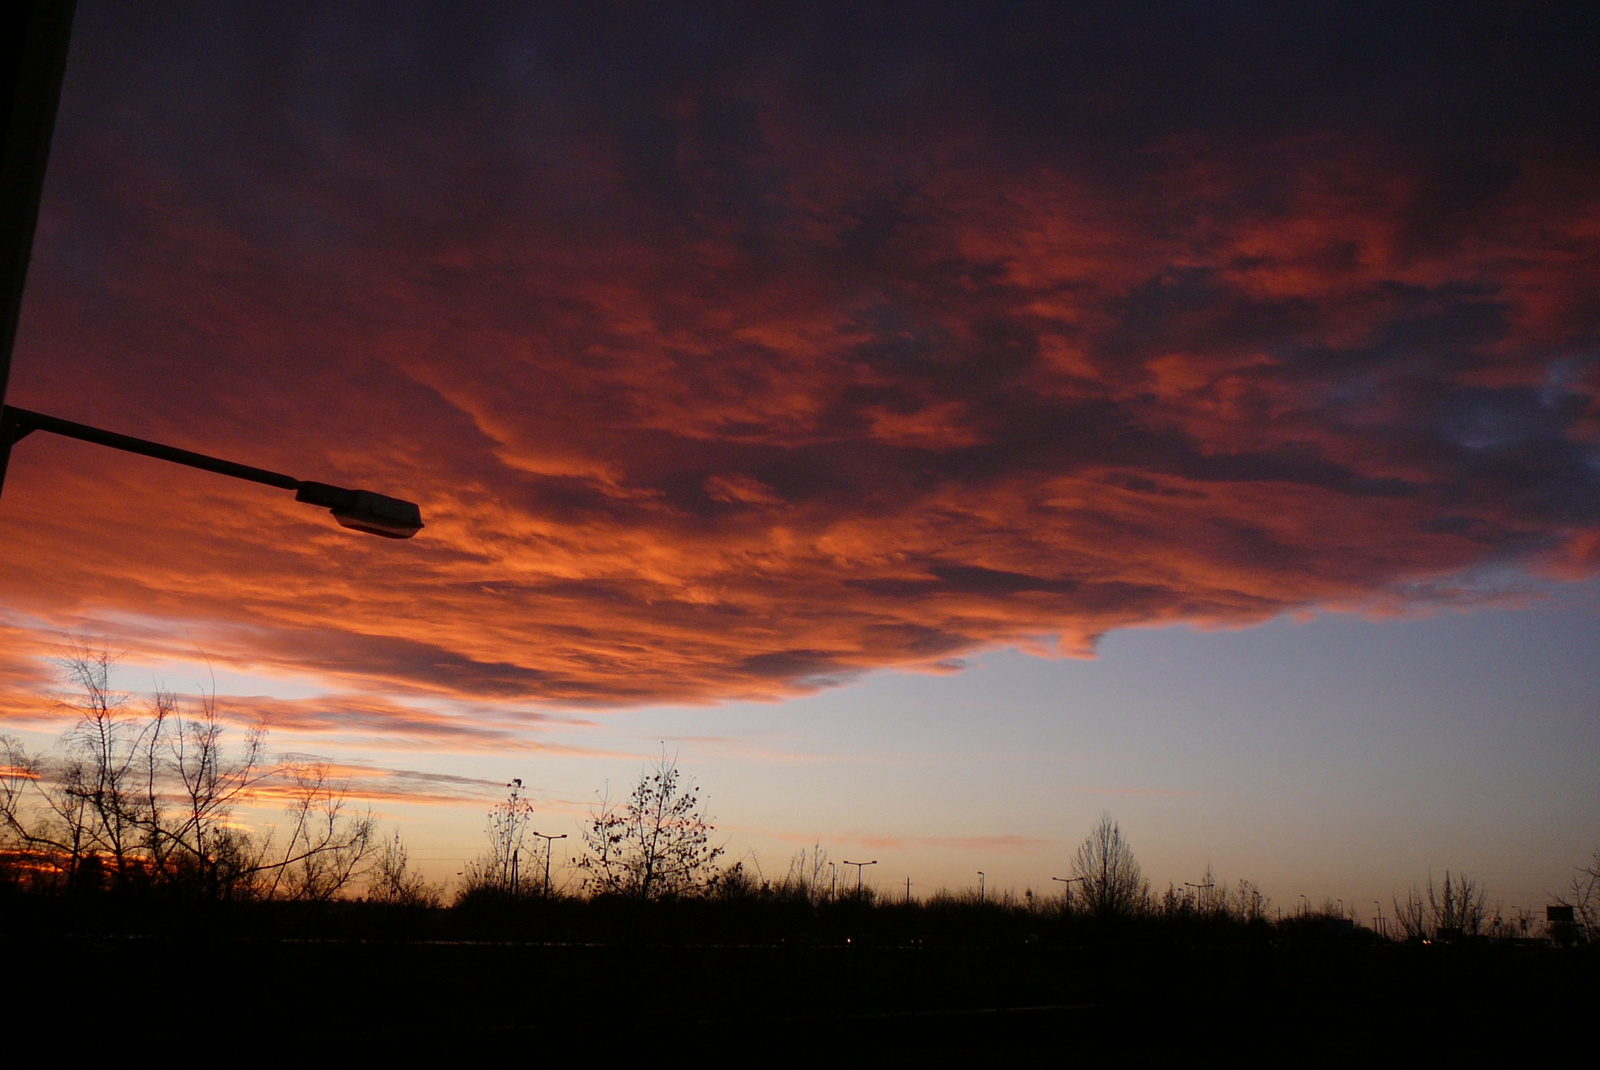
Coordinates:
859	866
360	510
32	87
549	842
1066	892
980	886
39	33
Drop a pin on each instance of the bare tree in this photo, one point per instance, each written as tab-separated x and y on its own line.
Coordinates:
502	869
150	800
86	808
1112	883
1247	903
325	848
1448	911
1411	917
1456	908
393	880
809	875
657	844
1584	898
192	839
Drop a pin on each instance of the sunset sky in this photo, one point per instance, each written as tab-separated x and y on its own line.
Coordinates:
935	426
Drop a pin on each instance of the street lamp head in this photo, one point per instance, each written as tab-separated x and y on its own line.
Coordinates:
363	510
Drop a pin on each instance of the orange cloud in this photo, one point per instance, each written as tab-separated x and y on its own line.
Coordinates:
734	390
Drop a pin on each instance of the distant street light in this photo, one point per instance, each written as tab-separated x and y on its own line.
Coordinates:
360	510
859	866
980	886
549	842
1066	892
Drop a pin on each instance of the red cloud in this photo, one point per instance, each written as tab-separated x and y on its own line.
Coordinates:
722	391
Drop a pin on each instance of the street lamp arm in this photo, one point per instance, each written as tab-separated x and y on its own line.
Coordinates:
362	510
21	422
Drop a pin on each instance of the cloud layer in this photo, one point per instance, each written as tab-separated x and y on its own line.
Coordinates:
728	358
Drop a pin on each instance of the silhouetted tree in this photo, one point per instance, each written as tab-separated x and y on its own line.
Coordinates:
810	875
1454	908
149	801
1457	907
1111	883
1411	917
657	844
1246	903
504	869
325	848
393	880
1584	896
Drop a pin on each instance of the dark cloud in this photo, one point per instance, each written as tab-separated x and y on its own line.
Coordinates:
732	352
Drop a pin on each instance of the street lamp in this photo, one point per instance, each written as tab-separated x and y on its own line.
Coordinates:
859	866
32	88
549	842
360	510
1066	891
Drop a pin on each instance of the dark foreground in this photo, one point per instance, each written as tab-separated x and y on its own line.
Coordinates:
1130	994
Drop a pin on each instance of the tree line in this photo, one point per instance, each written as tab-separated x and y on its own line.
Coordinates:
142	797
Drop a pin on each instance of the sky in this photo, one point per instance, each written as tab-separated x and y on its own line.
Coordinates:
935	426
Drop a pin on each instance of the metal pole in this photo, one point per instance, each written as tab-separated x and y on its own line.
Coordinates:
34	44
22	422
549	843
376	514
859	866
